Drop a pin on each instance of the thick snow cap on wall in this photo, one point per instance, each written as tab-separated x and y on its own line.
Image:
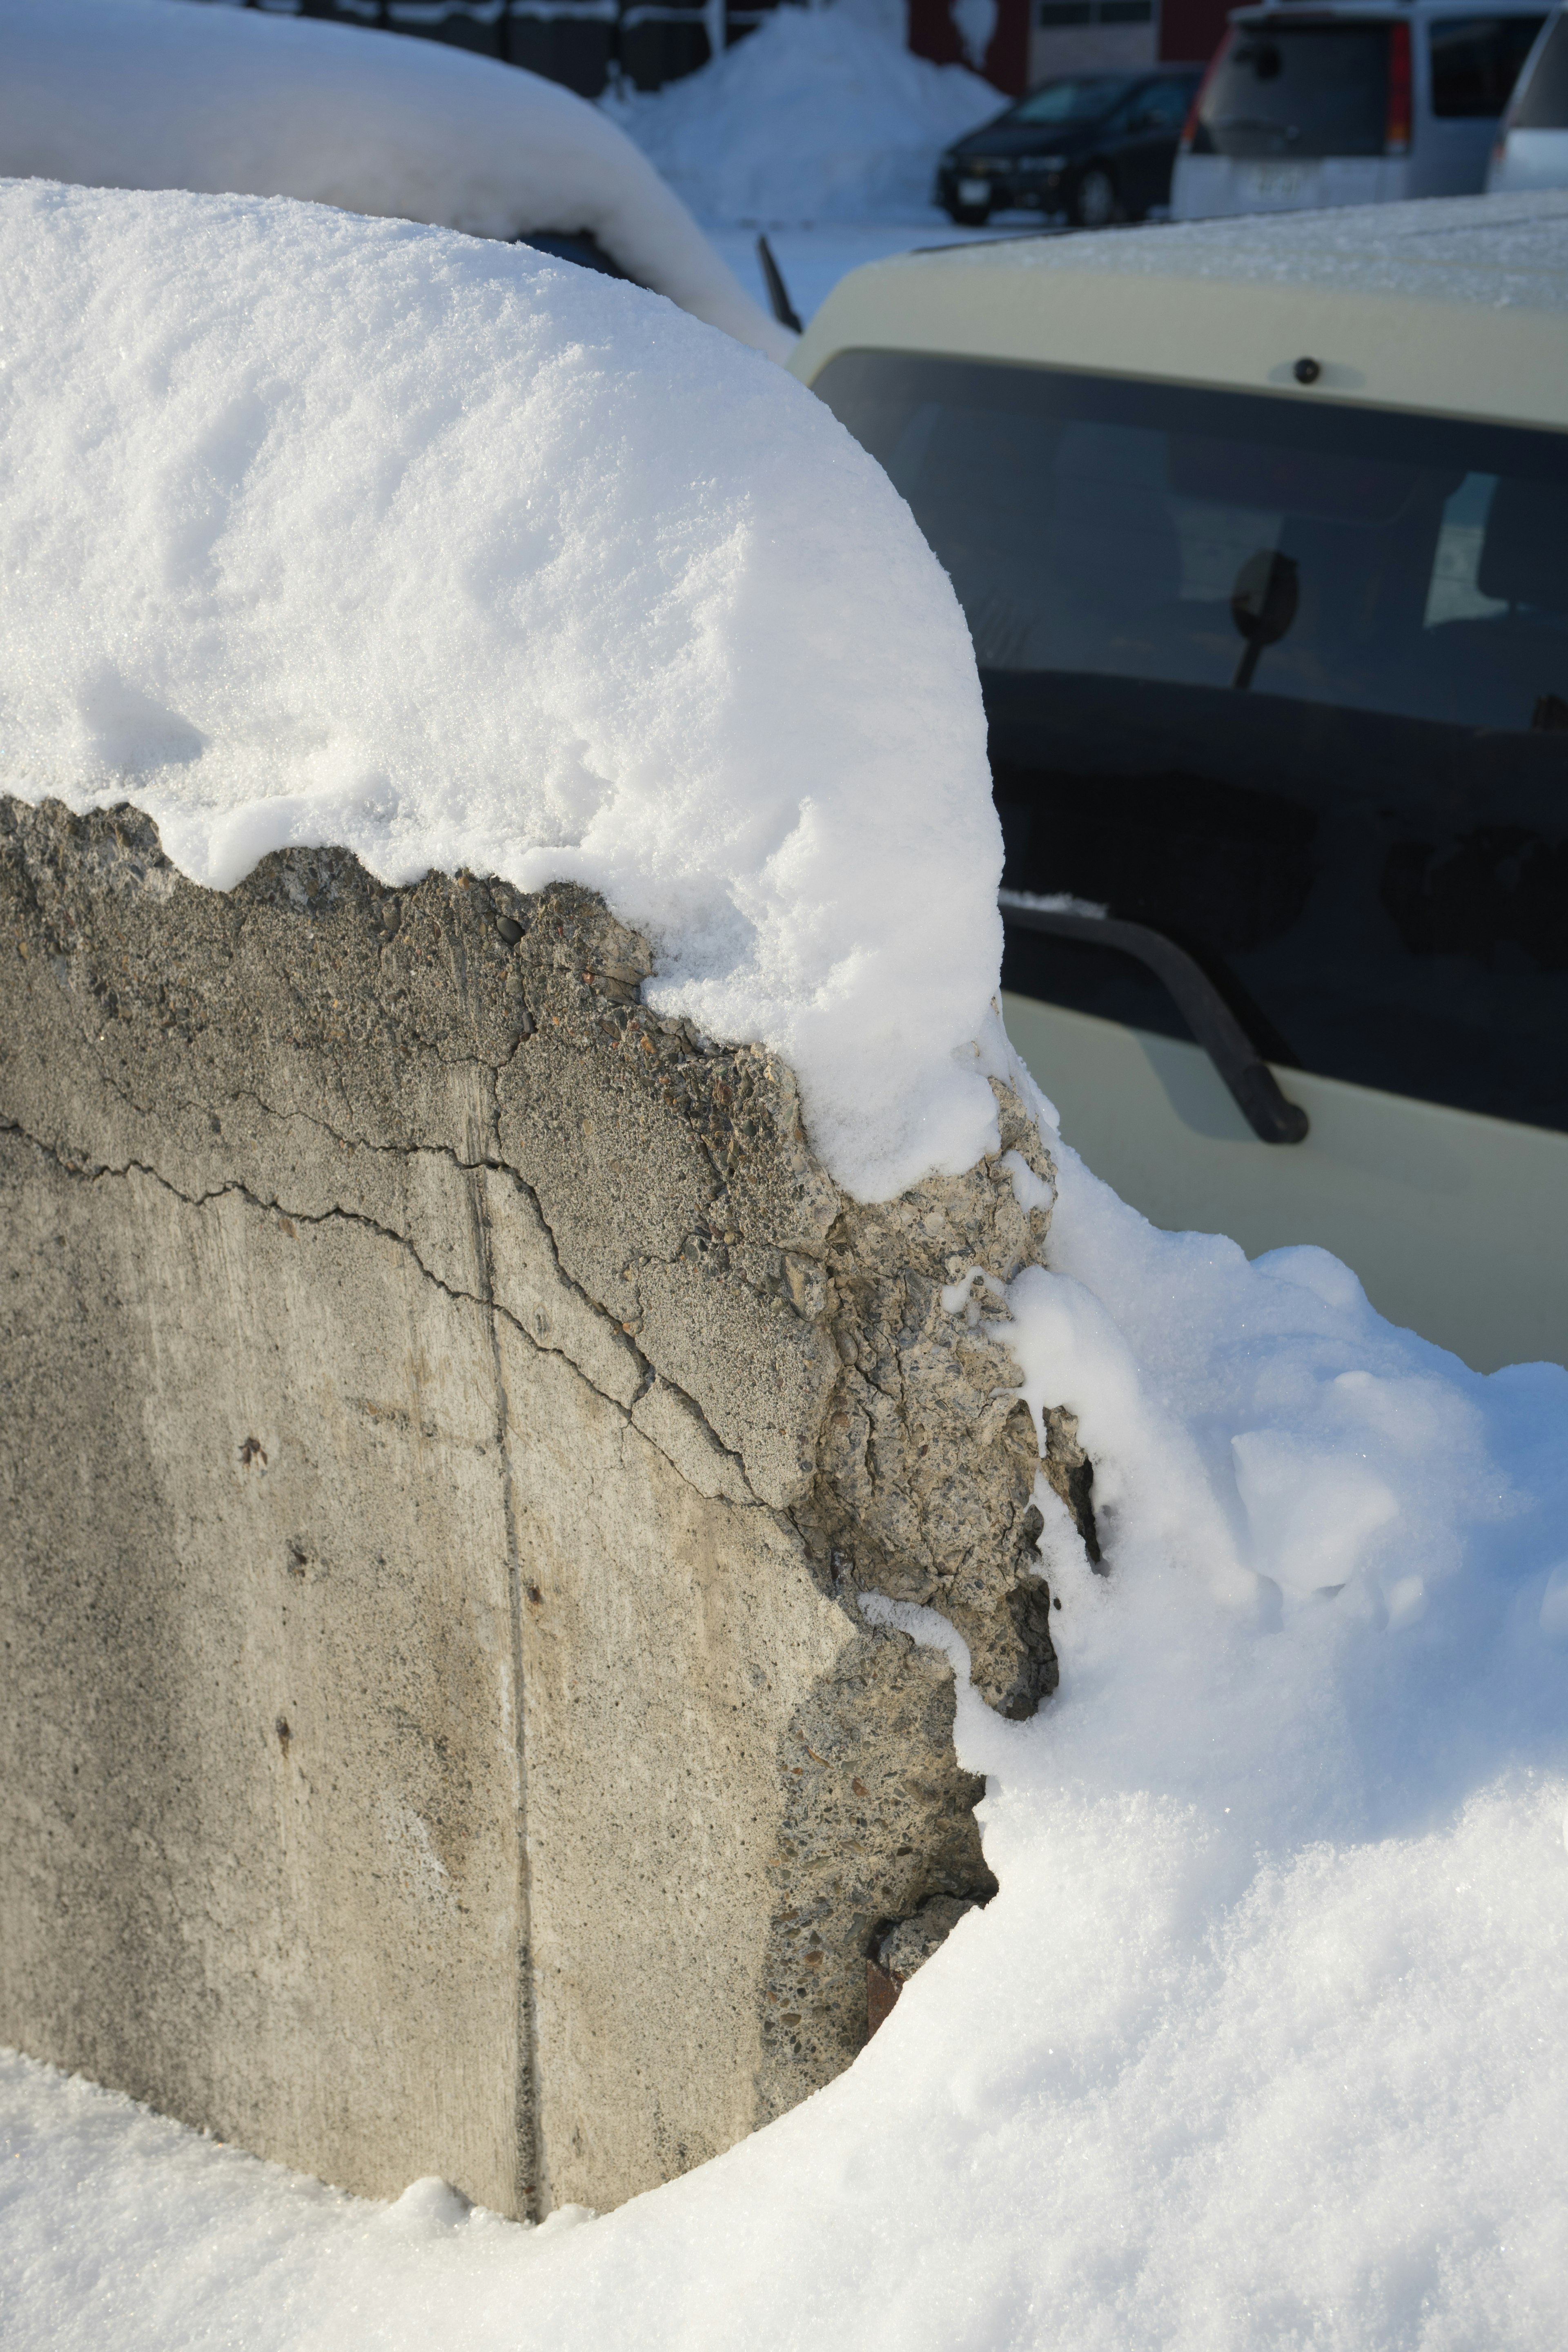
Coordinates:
160	94
323	530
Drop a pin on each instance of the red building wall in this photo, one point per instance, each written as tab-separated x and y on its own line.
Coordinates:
934	34
1190	29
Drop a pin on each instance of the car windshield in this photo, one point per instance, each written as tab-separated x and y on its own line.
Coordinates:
1082	99
1299	91
1287	681
1544	101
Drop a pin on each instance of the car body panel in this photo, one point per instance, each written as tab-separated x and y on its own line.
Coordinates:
1530	159
1226	306
1396	1188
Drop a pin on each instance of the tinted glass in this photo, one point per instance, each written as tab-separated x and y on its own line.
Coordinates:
1289	682
1544	101
1164	103
1072	101
1476	62
1308	90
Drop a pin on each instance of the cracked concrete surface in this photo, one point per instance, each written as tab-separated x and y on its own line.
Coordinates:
447	1414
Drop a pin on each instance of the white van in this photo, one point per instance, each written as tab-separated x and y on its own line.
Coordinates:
1532	151
1261	529
1361	104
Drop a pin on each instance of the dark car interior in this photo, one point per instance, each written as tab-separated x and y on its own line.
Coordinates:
1288	683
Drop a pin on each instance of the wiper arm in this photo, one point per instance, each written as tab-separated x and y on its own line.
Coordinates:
1272	1119
783	309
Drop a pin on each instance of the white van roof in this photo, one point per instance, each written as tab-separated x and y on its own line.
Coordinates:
1456	305
1377	11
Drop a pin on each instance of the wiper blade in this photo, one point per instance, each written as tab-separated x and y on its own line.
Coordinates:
1271	1117
783	309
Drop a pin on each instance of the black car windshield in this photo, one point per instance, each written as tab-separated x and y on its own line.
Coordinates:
1288	682
1544	101
1082	99
1297	89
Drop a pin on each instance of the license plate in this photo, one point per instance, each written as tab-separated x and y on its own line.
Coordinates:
974	192
1275	183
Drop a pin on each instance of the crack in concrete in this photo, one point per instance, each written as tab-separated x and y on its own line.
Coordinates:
532	2185
90	1172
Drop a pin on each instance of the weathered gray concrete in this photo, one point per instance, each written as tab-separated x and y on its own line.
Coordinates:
446	1415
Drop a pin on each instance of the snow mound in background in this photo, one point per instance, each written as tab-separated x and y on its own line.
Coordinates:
1259	2044
816	116
159	94
332	531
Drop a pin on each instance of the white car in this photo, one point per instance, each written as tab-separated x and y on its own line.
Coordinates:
1532	151
1261	530
1358	104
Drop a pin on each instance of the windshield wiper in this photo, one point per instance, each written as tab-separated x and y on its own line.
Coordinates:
1271	1117
783	309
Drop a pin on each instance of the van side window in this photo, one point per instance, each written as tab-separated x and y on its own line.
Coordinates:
1476	62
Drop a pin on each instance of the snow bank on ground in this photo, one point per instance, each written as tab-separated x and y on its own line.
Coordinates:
160	94
344	530
816	116
1260	2043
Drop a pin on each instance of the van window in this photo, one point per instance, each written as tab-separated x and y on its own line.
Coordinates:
1286	681
1475	61
1297	90
1543	101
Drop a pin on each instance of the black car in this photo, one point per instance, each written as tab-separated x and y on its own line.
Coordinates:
1098	147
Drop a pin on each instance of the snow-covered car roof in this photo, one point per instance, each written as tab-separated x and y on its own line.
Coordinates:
160	94
1457	306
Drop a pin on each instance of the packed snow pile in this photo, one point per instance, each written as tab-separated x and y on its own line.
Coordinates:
338	530
816	116
160	94
1259	2044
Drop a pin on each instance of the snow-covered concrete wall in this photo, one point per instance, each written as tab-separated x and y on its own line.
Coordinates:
448	1419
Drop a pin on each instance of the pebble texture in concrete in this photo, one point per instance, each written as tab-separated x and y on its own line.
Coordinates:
446	1417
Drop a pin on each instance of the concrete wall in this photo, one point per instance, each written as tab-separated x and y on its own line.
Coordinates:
445	1417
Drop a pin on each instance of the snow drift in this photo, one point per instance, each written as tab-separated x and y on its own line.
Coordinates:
1259	2044
337	531
816	116
160	94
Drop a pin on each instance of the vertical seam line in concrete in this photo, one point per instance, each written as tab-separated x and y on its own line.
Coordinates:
532	2184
